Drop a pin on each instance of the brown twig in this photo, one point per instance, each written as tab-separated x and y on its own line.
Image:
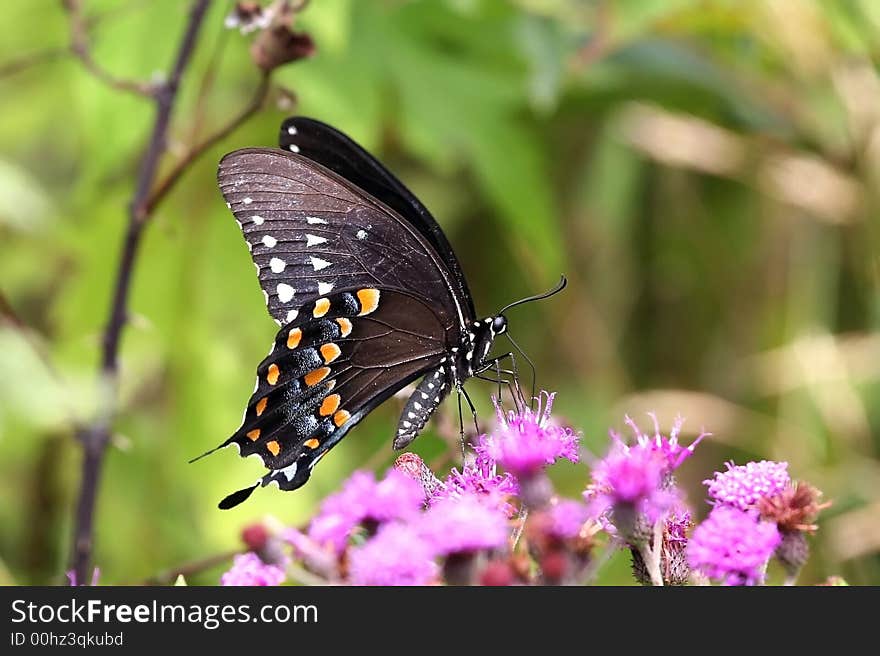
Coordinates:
29	60
81	49
173	177
10	316
170	576
95	438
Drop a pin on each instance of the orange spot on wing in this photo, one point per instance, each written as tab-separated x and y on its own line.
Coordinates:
312	443
316	376
293	338
322	306
254	435
344	325
369	299
330	352
329	406
341	417
273	447
272	374
261	405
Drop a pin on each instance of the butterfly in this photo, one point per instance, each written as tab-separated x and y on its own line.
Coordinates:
366	289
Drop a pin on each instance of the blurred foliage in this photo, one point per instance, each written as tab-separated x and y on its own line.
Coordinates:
704	171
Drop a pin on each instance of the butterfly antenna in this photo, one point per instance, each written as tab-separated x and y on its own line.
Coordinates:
563	281
531	366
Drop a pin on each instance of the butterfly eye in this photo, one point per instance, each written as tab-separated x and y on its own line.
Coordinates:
499	325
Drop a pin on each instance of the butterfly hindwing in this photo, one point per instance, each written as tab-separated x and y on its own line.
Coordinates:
343	355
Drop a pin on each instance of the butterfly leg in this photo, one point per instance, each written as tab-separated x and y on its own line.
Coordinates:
512	384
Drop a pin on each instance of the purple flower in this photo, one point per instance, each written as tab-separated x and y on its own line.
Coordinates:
396	555
463	524
631	477
744	485
71	577
525	442
397	496
677	524
481	479
668	447
248	569
566	518
732	546
639	476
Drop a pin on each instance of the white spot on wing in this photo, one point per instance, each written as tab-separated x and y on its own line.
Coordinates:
361	234
269	241
277	265
314	220
324	288
406	424
293	148
318	263
417	405
247	200
291	130
313	240
289	471
291	315
257	219
285	292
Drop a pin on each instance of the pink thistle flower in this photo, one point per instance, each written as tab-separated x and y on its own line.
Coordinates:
525	442
396	555
482	479
743	486
248	569
361	498
464	524
733	546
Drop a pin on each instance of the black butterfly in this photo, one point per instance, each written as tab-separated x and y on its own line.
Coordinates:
366	288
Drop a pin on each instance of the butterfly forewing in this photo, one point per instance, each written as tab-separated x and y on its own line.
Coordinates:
312	233
337	152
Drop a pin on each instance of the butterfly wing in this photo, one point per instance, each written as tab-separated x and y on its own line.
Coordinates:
337	152
310	232
344	355
366	305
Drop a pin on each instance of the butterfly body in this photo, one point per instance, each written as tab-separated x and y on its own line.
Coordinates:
367	292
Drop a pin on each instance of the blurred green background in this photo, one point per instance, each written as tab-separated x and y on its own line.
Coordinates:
704	171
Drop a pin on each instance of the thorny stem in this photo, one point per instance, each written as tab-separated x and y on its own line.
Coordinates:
95	438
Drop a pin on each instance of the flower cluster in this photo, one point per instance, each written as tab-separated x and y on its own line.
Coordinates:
498	519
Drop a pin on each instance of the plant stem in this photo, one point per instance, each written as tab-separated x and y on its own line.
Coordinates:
95	438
